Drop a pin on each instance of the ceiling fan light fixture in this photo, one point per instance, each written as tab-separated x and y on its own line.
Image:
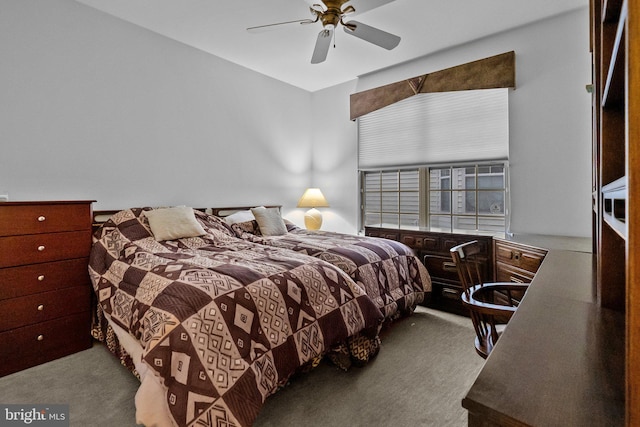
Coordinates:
330	19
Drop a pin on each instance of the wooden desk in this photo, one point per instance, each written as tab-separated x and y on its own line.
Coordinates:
560	362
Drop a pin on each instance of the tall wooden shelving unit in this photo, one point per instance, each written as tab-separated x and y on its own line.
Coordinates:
615	44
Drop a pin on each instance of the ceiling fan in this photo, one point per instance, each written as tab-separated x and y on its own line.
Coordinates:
332	13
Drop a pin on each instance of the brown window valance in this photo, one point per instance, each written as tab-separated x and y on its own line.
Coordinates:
494	72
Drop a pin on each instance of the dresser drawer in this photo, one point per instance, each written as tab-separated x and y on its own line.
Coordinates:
442	267
524	257
37	248
32	345
509	273
420	241
483	243
30	309
44	218
49	276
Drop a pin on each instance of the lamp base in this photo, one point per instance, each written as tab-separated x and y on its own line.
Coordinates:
313	219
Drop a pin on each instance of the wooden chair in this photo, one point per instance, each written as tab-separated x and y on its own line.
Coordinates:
490	305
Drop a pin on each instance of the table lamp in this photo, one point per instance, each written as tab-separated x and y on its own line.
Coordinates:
313	198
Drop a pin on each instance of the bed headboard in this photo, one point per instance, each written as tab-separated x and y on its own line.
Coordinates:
226	211
100	217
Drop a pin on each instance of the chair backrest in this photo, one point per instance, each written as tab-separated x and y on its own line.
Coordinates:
490	304
469	268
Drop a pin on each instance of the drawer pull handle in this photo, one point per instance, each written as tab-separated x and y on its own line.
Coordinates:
449	266
41	248
450	294
40	337
41	218
41	307
41	278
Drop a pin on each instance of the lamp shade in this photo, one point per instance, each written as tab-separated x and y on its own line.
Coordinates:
313	198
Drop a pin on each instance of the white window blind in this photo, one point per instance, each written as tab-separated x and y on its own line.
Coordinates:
436	128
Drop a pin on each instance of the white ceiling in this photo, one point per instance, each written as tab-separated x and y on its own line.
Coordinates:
284	53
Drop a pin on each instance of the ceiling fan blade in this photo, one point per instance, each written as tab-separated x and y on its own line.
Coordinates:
322	46
262	28
372	35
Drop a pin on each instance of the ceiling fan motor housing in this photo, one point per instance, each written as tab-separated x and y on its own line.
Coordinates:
330	19
333	14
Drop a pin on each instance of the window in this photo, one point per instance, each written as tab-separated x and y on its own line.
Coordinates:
431	160
468	197
392	197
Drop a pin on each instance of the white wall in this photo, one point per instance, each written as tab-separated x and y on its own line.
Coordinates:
550	120
335	165
96	108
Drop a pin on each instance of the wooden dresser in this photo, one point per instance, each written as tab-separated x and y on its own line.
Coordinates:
433	249
45	290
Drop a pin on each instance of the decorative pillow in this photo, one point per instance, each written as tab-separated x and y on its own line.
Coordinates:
173	223
240	216
290	226
269	221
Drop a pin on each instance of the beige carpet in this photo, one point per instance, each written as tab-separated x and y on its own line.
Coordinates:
425	367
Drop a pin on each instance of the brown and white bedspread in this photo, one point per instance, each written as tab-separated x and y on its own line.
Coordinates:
223	322
389	272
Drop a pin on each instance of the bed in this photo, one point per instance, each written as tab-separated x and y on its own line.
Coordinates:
213	324
388	271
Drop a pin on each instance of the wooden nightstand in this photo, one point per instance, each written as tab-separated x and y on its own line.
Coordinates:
45	292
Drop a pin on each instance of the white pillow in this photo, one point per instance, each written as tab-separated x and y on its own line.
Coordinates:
269	221
173	223
240	216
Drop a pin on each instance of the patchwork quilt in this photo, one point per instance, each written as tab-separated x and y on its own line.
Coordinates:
388	271
224	322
